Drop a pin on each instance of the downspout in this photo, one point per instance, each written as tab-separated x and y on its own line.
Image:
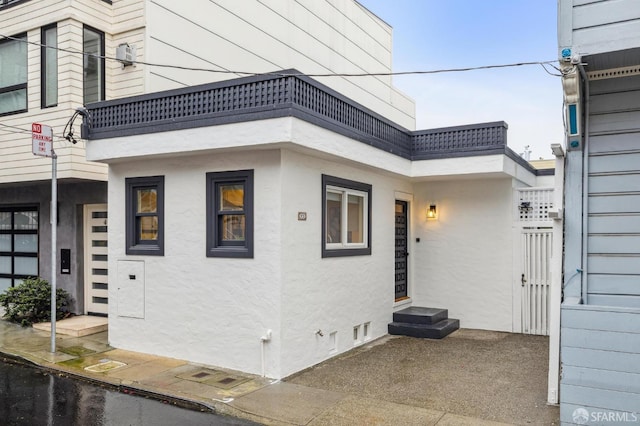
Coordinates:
585	188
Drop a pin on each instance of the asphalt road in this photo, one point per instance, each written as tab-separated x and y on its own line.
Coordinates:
33	397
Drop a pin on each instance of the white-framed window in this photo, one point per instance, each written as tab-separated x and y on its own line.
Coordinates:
346	217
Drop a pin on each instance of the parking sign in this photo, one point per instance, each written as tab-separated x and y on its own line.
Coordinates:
41	139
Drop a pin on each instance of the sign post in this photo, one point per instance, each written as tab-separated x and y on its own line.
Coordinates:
42	144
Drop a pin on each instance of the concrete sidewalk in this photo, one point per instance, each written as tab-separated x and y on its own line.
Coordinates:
469	378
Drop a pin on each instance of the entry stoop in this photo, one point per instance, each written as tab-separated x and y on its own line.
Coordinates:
430	323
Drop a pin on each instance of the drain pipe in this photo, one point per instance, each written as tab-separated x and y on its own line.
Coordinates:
263	340
585	188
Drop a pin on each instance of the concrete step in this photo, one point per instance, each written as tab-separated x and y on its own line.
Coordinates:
420	315
77	326
430	331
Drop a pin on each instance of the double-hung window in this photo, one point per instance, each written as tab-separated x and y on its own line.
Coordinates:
93	49
346	217
230	214
13	75
145	215
49	66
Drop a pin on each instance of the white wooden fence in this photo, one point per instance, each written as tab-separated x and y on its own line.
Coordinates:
536	242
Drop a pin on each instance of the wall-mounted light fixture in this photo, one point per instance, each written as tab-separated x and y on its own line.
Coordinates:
432	212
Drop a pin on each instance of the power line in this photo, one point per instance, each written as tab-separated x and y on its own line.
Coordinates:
281	74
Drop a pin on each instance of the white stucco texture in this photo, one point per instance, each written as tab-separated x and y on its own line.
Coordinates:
332	294
215	310
208	310
464	260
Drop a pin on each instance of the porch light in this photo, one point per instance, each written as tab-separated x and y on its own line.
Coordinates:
432	212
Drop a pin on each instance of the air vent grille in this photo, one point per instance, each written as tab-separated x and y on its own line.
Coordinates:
614	73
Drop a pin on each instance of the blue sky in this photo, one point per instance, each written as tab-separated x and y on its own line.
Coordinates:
441	34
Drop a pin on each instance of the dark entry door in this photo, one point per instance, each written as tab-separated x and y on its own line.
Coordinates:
401	249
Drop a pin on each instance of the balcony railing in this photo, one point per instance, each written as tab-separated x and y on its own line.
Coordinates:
282	95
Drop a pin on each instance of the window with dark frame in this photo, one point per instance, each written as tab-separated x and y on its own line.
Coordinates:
18	245
230	214
93	49
49	66
145	215
13	78
346	217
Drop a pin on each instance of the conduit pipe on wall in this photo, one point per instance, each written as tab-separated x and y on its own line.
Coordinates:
585	187
263	340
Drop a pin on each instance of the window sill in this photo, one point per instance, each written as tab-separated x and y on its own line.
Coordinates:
228	252
142	250
346	252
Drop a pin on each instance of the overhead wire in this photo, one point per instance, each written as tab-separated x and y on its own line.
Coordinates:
295	74
70	137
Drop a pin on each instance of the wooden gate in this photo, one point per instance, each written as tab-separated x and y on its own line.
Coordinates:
535	280
533	277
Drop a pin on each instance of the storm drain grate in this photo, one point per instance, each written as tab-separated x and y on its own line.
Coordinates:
219	379
199	375
226	381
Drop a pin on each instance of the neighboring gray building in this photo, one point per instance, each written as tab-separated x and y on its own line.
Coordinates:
599	47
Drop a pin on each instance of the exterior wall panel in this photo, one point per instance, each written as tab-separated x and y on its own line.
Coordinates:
600	361
207	310
464	262
332	294
614	204
592	27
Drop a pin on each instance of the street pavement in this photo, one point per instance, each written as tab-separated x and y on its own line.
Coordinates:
472	377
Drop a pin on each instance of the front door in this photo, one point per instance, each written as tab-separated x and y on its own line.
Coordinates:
401	250
95	255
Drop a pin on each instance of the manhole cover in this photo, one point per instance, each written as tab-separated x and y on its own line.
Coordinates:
201	375
105	365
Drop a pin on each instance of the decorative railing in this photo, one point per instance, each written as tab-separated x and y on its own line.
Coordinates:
449	141
272	96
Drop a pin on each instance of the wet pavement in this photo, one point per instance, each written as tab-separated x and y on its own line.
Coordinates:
472	377
30	396
499	377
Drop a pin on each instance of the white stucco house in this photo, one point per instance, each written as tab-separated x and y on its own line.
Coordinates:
267	223
56	56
